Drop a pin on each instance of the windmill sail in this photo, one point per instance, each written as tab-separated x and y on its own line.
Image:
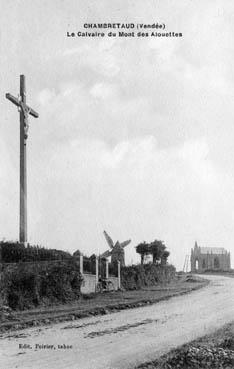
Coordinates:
106	254
109	240
125	243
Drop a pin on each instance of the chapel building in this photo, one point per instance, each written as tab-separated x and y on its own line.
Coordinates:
209	258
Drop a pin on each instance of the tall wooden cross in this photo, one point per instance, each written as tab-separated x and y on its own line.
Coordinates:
24	111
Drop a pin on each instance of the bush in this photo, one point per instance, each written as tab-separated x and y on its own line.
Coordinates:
113	269
89	264
138	276
14	252
28	285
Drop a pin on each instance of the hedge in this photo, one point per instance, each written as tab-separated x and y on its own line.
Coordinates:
137	276
27	285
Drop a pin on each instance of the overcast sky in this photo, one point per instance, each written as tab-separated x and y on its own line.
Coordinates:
135	136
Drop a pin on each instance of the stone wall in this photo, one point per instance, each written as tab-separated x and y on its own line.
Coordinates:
115	282
88	284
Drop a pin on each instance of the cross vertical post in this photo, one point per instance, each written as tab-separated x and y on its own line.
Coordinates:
24	110
23	166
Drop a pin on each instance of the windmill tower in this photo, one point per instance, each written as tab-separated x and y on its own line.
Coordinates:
116	250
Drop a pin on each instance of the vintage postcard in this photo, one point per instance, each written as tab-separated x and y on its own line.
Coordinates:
116	184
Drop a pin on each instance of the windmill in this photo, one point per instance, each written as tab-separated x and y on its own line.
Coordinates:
116	250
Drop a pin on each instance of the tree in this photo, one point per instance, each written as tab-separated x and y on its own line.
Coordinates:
164	257
142	249
157	249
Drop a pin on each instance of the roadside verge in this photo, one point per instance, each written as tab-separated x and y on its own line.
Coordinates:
99	304
211	351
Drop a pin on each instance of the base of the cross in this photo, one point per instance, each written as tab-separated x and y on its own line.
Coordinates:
25	244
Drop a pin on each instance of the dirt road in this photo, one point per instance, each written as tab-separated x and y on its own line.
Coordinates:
123	339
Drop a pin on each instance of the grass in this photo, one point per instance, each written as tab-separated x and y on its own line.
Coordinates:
214	351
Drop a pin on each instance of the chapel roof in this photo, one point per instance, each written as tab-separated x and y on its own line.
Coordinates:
213	250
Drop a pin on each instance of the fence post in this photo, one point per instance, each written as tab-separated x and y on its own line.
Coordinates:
107	268
81	264
97	269
119	280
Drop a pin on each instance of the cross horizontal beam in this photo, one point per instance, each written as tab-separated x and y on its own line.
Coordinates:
18	103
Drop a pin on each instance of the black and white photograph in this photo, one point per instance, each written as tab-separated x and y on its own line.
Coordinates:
117	184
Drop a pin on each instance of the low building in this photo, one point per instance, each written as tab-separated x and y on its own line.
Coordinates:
209	258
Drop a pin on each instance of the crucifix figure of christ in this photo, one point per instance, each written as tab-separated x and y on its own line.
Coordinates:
24	111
